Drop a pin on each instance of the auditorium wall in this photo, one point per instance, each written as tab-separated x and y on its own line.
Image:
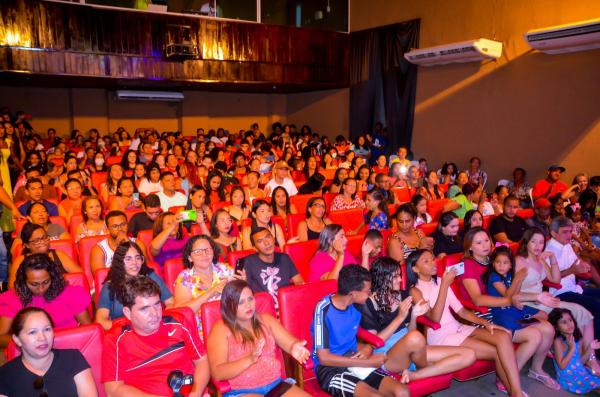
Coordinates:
526	109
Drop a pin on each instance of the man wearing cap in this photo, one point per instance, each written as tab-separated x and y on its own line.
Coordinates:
552	185
281	178
542	218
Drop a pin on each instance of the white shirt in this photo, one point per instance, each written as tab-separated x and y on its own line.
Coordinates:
167	202
146	187
287	184
565	257
486	208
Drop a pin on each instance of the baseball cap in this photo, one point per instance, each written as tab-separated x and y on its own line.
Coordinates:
542	202
281	164
556	167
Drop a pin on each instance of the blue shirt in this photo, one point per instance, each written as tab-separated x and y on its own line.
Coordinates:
115	307
50	207
334	329
378	222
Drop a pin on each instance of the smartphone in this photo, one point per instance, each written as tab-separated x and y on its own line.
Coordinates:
239	265
188	215
458	267
279	390
136	196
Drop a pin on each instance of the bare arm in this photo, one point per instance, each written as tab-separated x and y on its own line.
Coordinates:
183	297
220	367
84	382
83	317
103	318
502	238
335	360
5	323
68	263
559	348
451	206
96	259
302	231
484	300
201	376
12	270
298	280
334	273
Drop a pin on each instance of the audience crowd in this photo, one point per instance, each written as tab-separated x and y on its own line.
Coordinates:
177	247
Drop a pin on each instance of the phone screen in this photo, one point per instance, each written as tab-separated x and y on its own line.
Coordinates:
458	267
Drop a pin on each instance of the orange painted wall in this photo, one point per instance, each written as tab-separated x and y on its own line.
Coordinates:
526	109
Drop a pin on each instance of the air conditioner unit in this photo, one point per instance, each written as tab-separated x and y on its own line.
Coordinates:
127	95
578	36
465	51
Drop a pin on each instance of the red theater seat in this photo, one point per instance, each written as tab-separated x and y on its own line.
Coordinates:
428	228
293	222
172	269
301	253
98	178
145	236
328	197
76	220
235	256
111	160
348	219
84	247
211	313
403	195
99	279
67	246
80	280
435	208
526	213
301	201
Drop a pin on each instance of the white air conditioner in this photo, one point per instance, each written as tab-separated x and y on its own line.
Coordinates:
168	96
578	36
465	51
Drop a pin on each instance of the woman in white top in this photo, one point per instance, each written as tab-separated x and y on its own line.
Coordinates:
151	182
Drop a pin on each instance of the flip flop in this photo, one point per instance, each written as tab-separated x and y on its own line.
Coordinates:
545	379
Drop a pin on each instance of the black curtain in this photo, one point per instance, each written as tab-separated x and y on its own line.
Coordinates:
383	83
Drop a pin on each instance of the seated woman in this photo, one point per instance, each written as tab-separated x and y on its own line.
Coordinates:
314	185
261	217
167	239
397	175
315	222
239	208
72	204
420	204
128	262
377	216
197	202
215	188
333	254
348	198
540	266
390	314
407	239
456	189
41	369
490	342
362	178
281	205
38	215
151	182
243	346
221	226
430	189
203	279
109	188
473	218
338	180
446	239
36	241
93	223
127	197
40	283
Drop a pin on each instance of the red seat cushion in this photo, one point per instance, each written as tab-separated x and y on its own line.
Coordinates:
301	201
348	219
301	253
84	247
171	270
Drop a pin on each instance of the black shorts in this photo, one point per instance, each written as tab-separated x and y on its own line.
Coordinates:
339	382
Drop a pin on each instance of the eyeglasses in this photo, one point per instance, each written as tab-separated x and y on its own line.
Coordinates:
202	251
38	241
38	385
119	226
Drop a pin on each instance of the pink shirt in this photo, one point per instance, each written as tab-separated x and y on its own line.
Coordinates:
63	309
322	263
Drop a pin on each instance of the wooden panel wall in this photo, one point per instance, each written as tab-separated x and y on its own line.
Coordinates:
71	39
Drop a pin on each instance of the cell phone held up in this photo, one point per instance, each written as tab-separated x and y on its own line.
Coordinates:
188	215
459	268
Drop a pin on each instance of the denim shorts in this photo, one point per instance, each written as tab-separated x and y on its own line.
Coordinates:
391	341
262	390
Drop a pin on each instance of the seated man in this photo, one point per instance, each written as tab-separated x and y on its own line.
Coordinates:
20	192
170	197
552	185
570	264
542	218
103	252
139	357
145	220
281	172
267	270
341	364
508	227
35	191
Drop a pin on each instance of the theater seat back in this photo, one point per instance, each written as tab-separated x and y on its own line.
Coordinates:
99	279
84	247
172	269
293	222
86	338
301	253
348	219
301	201
428	228
80	280
235	256
435	208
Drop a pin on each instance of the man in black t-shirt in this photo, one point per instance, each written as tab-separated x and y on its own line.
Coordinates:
508	227
267	270
145	220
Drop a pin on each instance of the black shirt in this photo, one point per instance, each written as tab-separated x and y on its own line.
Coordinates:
445	244
378	319
269	277
140	221
16	380
514	228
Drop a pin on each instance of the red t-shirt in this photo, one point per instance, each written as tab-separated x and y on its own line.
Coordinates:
473	270
545	189
145	362
381	170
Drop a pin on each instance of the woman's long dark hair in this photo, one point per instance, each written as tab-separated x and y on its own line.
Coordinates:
84	204
445	220
255	206
220	190
381	206
237	188
435	187
214	232
411	276
120	182
415	200
125	160
110	185
555	316
468	217
328	235
39	262
527	236
274	203
30	210
117	275
230	300
383	272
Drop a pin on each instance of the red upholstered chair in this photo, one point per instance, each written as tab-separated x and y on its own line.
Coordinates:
76	220
145	236
235	256
328	197
301	253
58	220
86	338
210	313
99	279
354	246
293	222
301	201
98	178
172	269
435	208
113	160
486	221
177	208
80	280
428	228
348	219
296	308
84	247
130	213
403	195
526	213
66	245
